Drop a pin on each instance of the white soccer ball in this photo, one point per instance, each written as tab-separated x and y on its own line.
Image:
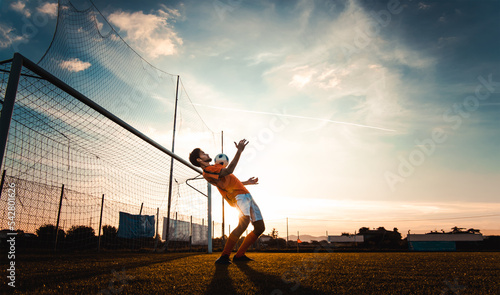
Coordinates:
221	159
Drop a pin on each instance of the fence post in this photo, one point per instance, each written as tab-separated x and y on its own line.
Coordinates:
59	216
1	183
191	233
8	103
157	225
209	221
100	225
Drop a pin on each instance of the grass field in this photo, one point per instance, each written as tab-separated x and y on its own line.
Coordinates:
271	273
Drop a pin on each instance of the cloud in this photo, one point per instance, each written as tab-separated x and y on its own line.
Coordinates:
74	65
328	63
263	57
423	6
303	76
8	37
20	7
48	8
150	34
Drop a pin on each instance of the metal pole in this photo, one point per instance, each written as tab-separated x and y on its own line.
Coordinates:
59	216
223	214
298	239
157	220
140	211
157	238
287	232
8	104
100	224
172	164
191	233
1	184
223	225
209	222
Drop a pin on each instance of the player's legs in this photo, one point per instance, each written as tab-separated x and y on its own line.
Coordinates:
235	234
232	239
248	207
251	238
258	227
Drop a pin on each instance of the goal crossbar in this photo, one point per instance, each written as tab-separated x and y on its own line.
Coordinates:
20	61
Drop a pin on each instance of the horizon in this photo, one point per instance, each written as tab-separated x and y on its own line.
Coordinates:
358	113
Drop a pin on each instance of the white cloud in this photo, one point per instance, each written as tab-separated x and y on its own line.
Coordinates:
423	6
74	65
48	8
7	36
303	76
263	57
20	7
148	33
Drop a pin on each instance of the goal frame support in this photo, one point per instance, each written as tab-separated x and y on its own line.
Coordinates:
8	103
18	62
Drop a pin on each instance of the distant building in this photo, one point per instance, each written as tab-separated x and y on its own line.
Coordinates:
265	239
346	240
378	238
435	241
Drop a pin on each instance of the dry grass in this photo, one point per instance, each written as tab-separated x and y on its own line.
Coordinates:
271	273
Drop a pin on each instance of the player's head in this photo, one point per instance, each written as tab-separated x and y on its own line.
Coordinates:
197	156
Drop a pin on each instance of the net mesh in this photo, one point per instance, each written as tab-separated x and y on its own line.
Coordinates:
58	146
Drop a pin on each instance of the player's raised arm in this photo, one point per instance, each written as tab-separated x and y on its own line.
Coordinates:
251	180
230	168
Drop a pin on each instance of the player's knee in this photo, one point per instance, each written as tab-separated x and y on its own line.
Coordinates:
259	227
242	226
243	222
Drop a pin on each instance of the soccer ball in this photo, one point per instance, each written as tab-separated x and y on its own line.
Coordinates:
221	159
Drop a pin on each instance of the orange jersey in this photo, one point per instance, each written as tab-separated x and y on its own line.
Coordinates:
229	186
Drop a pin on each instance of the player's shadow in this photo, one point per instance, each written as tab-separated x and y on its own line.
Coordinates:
221	282
270	284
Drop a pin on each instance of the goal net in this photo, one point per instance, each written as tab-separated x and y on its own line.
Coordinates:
85	151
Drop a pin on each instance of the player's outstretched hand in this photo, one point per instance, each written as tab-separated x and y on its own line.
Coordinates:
253	180
241	145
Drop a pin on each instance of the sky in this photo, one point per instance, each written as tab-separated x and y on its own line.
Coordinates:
358	113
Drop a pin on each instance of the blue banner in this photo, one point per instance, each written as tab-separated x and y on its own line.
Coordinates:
136	226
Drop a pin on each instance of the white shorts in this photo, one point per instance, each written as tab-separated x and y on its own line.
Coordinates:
248	207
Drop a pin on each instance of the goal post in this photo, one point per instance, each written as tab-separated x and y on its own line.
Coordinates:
8	103
52	135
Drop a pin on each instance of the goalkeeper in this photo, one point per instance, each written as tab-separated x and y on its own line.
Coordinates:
235	193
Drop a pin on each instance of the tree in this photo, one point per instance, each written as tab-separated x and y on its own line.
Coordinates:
274	234
47	235
473	231
48	232
363	230
81	236
456	230
109	239
109	231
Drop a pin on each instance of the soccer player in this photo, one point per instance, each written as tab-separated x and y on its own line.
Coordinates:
235	193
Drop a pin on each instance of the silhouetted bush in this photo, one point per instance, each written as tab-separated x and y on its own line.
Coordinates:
47	236
108	238
81	237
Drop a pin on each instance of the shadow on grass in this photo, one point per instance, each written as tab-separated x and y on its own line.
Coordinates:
274	285
221	282
83	266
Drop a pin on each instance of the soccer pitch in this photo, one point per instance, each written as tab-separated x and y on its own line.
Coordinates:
271	273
